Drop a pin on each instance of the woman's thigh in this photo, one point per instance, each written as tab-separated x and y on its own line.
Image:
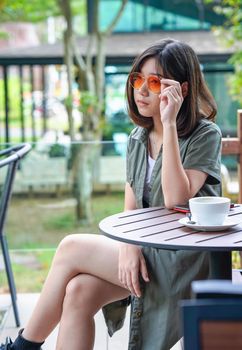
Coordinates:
91	254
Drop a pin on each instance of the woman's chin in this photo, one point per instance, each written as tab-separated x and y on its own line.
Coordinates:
144	115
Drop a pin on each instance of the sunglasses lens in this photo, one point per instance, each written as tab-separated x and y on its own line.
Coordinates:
136	80
154	84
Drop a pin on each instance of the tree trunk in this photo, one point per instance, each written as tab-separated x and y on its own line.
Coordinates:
83	179
69	65
84	156
68	58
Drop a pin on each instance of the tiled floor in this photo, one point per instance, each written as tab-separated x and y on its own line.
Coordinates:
119	341
26	303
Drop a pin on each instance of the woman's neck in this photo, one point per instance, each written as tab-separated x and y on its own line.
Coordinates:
155	140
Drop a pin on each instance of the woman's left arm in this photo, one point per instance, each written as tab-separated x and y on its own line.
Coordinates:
178	184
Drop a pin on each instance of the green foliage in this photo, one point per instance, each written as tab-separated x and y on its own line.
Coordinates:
57	150
88	102
28	11
3	36
78	7
116	125
231	35
62	222
235	83
14	103
68	101
35	11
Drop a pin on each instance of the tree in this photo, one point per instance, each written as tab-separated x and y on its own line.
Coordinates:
91	83
231	34
90	80
27	11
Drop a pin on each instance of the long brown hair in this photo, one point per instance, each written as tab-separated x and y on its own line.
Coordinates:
178	61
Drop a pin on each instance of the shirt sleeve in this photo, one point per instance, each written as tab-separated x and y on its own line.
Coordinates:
204	153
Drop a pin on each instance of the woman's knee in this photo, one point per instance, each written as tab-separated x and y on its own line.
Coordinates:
76	243
81	293
64	251
68	248
67	243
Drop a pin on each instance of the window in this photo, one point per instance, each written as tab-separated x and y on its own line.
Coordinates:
157	15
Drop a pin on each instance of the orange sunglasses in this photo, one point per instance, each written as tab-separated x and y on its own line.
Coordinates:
137	80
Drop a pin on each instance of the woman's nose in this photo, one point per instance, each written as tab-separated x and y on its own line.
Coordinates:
144	89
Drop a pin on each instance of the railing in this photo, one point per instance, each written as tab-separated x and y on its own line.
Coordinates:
46	170
25	98
32	88
43	169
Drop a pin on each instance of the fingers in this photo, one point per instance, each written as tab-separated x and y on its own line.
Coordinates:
130	278
130	281
134	283
170	82
172	85
143	270
131	266
172	94
176	91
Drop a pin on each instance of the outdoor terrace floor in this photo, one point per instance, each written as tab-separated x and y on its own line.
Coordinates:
26	304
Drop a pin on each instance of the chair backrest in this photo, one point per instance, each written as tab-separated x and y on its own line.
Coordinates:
233	146
12	156
214	321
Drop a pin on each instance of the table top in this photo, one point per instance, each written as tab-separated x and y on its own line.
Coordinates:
159	228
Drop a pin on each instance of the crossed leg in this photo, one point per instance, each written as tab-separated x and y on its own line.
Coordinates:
83	277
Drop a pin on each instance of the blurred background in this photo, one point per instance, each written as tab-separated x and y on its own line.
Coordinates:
63	69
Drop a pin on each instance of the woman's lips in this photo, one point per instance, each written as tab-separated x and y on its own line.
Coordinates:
142	103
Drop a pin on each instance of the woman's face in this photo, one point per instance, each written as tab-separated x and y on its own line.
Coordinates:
148	103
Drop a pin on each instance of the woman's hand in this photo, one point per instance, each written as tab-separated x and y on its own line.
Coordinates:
170	100
131	265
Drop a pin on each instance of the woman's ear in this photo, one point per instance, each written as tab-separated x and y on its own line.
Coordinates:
184	87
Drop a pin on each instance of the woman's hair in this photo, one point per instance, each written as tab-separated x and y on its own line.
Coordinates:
179	62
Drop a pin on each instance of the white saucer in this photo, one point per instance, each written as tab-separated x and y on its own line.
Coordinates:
227	224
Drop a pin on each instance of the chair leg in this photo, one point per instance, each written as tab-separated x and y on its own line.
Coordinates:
10	278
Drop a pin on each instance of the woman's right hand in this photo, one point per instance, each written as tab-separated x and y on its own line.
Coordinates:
131	265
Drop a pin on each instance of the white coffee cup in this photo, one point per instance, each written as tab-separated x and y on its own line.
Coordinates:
209	211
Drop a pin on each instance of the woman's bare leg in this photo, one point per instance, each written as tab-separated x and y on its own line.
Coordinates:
90	254
85	295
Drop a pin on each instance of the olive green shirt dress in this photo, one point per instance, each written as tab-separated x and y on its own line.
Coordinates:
154	323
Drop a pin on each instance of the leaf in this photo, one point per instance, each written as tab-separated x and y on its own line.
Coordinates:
231	36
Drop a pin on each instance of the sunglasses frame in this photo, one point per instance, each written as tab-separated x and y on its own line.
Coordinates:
145	79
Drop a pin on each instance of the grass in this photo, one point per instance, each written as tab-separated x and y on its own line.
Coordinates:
34	228
29	273
43	222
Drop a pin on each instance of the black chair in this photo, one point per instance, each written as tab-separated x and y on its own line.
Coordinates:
12	157
214	319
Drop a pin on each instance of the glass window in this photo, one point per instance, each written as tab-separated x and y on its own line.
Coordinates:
217	80
155	15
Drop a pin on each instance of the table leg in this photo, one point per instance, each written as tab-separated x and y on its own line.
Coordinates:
220	265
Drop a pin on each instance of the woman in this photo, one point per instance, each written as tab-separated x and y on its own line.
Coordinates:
173	154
